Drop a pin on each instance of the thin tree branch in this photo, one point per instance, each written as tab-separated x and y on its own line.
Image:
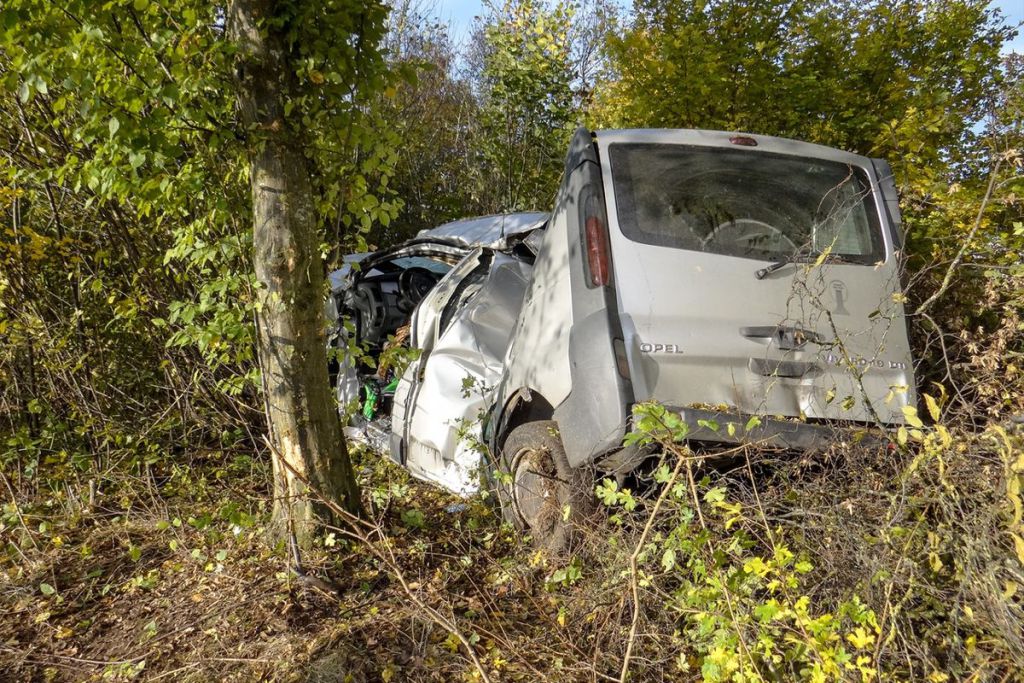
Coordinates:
923	308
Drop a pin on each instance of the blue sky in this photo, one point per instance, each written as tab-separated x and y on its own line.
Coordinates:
460	13
1014	10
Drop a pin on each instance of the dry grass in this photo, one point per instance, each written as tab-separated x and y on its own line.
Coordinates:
924	544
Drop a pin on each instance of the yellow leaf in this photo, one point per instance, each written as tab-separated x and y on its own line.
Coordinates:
1018	544
933	407
861	638
910	415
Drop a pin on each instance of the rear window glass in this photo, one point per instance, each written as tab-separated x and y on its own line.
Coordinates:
743	203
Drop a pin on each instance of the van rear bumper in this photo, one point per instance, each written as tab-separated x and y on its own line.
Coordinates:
773	433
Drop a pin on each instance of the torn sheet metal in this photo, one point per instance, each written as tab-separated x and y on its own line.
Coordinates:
487	231
440	401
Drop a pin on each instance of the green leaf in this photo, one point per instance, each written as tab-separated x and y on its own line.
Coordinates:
767	612
668	559
715	495
46	589
413	519
113	125
709	424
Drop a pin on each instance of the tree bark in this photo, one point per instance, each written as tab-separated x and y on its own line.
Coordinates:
305	429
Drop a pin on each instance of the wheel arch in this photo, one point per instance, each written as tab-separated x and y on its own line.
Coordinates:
523	405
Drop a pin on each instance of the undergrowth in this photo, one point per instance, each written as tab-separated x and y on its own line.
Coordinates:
856	564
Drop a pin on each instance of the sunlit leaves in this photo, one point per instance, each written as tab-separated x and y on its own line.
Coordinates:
123	118
527	109
890	80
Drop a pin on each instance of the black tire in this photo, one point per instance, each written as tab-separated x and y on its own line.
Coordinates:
537	484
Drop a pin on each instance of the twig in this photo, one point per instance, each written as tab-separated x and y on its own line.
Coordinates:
361	530
17	511
923	308
76	660
945	358
711	550
634	587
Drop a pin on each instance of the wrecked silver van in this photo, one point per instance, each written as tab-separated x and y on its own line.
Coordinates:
726	276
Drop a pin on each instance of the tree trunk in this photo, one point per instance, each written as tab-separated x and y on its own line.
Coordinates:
304	426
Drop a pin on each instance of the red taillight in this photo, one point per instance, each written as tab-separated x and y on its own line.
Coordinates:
597	251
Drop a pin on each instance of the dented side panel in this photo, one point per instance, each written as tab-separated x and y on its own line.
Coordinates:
445	393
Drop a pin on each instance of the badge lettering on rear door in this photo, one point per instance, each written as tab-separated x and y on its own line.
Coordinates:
647	347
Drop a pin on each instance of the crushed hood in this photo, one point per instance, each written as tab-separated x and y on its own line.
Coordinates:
486	231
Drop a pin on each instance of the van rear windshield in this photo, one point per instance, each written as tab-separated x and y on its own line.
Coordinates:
746	203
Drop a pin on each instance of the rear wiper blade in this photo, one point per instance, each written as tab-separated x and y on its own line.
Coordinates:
799	256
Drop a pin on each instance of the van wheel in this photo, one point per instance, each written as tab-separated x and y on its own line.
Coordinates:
542	485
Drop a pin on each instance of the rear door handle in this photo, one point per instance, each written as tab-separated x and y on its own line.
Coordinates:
785	338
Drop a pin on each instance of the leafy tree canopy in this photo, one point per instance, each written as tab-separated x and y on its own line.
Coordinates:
905	80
